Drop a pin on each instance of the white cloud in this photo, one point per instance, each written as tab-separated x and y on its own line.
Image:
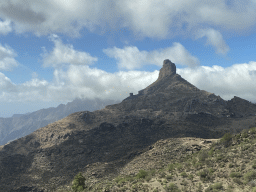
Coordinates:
132	58
84	82
145	18
236	80
65	54
214	38
7	61
5	27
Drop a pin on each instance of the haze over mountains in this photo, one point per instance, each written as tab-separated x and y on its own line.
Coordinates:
20	125
110	138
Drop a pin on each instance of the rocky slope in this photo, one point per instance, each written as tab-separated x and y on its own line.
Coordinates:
51	156
21	125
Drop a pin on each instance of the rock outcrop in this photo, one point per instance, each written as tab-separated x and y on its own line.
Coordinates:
168	69
111	137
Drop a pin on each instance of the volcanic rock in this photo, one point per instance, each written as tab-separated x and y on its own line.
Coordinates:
168	69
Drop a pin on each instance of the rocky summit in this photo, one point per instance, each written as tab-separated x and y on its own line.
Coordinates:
102	143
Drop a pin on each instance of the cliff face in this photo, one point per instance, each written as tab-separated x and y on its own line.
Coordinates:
111	137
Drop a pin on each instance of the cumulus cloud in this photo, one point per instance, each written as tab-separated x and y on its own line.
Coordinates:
214	38
65	54
158	19
5	27
83	82
236	80
130	57
7	61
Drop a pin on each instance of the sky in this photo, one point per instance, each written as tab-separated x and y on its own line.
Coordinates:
54	51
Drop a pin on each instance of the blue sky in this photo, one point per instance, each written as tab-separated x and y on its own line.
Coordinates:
52	52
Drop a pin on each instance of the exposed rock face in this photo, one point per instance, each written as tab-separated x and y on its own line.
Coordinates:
110	138
168	69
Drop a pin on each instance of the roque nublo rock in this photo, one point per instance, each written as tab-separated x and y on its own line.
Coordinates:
111	137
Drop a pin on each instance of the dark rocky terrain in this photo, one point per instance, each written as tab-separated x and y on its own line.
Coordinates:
20	125
111	138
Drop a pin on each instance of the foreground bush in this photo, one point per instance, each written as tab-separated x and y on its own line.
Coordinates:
142	174
172	188
250	176
214	187
235	174
78	183
226	139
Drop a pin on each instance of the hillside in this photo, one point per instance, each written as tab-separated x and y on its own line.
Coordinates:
185	164
110	142
20	125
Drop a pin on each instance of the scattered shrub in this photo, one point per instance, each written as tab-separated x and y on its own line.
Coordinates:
78	183
202	156
204	175
226	139
244	134
191	177
235	174
198	165
142	174
169	177
214	187
210	153
170	167
254	166
148	178
179	167
250	176
172	187
238	181
184	174
199	188
253	130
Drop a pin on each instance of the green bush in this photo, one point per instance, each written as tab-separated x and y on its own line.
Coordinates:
250	176
227	138
142	174
238	181
254	166
170	167
203	156
198	165
191	177
204	175
179	167
172	188
78	183
184	174
253	130
169	177
235	174
211	152
214	187
244	134
199	188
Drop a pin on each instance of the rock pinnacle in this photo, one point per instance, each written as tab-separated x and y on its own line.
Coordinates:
168	69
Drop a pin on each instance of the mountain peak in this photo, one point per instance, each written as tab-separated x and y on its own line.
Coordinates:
168	69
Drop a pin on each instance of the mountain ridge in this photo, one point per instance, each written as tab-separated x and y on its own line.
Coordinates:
21	125
51	156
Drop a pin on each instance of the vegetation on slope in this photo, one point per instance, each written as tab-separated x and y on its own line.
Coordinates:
228	165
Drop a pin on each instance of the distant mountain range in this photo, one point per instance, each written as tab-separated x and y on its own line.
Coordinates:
20	125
